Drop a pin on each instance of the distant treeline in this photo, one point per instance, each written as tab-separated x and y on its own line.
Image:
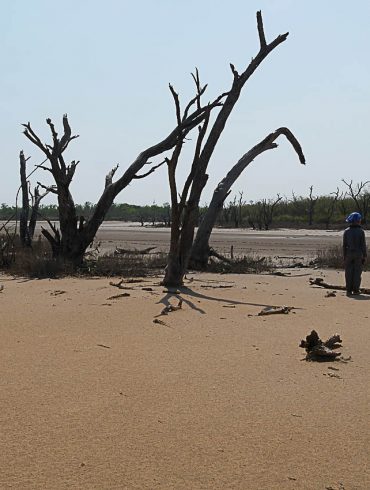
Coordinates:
322	212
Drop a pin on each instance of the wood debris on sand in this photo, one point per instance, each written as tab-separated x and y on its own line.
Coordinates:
319	350
273	310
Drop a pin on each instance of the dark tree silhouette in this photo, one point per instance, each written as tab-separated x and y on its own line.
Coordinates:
185	208
76	233
201	249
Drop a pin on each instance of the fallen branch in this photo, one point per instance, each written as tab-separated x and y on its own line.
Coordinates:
213	253
318	281
122	295
160	322
119	285
220	286
318	350
123	251
273	310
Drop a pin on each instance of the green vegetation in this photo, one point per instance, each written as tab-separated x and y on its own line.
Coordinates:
328	213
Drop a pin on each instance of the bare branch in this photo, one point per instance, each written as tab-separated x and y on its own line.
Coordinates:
153	169
51	188
44	168
70	170
294	142
177	104
234	71
53	132
110	175
31	135
261	32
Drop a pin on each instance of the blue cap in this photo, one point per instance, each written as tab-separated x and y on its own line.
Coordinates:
353	217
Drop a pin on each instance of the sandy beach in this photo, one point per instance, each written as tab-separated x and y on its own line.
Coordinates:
95	395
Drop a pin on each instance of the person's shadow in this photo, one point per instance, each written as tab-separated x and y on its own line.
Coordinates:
360	297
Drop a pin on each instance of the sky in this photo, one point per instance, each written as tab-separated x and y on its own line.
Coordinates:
107	64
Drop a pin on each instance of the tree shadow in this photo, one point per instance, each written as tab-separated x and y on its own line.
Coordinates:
166	301
184	290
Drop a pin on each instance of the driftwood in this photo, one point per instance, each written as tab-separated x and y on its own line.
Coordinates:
318	350
124	251
116	296
220	286
318	281
119	285
160	322
273	310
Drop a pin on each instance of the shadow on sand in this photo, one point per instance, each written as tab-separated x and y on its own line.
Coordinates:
184	290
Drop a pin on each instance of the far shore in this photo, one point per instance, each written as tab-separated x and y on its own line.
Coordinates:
303	243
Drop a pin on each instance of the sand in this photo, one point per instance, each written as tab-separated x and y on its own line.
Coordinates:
94	395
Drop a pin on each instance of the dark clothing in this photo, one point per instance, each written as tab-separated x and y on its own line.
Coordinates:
353	271
354	243
354	253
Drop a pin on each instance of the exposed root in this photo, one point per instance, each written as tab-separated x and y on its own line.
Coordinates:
318	350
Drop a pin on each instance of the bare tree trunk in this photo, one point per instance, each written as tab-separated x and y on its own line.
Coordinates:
311	206
198	177
75	235
332	206
27	229
23	219
200	250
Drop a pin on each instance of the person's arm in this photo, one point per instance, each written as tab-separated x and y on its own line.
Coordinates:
344	244
363	247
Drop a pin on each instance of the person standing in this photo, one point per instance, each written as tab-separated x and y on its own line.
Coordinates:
354	253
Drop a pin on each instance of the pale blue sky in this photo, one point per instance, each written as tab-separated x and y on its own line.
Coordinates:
108	64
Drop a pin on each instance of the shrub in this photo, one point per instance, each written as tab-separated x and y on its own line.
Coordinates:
332	258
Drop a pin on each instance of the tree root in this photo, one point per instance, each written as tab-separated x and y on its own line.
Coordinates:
318	350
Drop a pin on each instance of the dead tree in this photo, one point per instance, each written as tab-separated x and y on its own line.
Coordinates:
76	233
233	211
201	249
311	206
185	208
27	228
334	197
360	197
268	207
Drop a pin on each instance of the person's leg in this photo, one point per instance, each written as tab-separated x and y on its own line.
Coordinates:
357	271
349	274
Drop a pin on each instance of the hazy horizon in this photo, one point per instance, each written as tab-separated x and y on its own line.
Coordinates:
108	66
